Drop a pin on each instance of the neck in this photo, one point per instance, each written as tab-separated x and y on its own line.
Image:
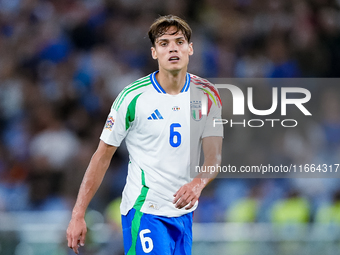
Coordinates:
171	82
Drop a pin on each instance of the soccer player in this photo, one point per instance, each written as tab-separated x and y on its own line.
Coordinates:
164	117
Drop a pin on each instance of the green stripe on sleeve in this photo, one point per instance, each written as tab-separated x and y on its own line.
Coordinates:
127	90
131	111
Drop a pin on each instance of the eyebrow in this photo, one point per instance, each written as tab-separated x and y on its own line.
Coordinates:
166	40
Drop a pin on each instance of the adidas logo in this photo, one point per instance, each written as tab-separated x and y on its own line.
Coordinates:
156	115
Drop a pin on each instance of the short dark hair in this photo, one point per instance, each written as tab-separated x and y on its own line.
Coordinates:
163	23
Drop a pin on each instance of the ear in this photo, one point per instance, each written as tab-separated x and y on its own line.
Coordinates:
153	53
191	49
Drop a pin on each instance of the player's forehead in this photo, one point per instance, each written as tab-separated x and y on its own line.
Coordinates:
171	33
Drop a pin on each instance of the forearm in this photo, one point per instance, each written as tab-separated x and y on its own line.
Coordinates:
90	184
212	147
203	178
93	177
76	231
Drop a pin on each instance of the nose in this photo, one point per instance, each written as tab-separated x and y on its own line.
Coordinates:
173	47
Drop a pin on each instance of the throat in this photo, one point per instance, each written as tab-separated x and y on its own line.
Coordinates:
171	83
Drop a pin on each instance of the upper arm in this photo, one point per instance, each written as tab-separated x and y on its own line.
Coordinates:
212	149
105	151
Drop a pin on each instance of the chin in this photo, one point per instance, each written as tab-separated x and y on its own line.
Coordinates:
176	68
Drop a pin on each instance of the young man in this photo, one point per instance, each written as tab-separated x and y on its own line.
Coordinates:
164	124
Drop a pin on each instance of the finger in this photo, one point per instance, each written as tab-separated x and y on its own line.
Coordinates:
69	241
179	194
190	201
183	201
191	205
75	244
75	249
82	238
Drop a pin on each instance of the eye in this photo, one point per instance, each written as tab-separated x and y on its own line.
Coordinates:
180	42
163	44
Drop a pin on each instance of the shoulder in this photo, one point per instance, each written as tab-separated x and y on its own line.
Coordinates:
132	91
206	87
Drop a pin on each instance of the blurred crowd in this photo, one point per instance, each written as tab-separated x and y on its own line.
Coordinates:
63	62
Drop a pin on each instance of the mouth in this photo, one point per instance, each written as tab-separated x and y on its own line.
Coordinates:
173	58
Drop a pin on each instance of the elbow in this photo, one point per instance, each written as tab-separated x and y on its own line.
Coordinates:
218	159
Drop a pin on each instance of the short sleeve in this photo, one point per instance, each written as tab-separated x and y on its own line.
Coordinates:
115	129
214	112
120	119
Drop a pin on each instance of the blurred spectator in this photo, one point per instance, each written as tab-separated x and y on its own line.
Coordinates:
330	122
283	66
54	146
245	209
51	149
14	189
293	209
311	54
328	21
254	63
329	213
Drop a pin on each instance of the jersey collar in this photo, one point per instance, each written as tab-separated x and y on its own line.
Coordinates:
159	88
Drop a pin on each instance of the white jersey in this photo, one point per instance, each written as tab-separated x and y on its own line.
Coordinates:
158	128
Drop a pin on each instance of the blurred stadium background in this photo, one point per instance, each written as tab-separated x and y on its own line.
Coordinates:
62	63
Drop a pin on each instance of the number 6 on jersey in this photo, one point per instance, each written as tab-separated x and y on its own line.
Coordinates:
146	240
175	136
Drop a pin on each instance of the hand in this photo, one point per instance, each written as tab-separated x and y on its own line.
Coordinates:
188	194
76	233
